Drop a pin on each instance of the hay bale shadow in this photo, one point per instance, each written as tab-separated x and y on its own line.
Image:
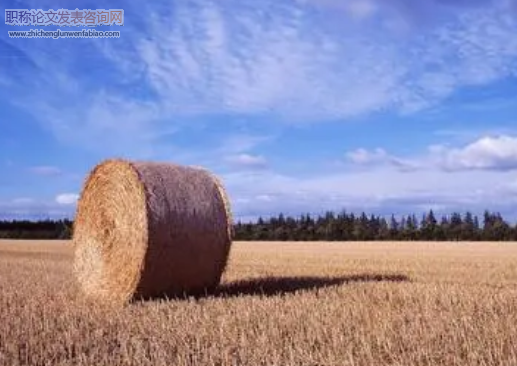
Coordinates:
278	286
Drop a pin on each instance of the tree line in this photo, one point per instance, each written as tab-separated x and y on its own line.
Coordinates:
327	227
351	227
46	229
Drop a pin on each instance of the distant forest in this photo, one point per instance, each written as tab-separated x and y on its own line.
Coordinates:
47	229
328	227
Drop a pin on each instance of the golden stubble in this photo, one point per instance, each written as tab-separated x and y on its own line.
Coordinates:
278	304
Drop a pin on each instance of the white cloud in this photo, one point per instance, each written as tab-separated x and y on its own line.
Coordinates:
497	153
45	170
241	143
247	161
382	190
31	208
361	9
268	57
240	67
405	12
264	197
116	124
362	156
379	156
265	59
356	9
22	201
286	63
477	176
487	153
67	199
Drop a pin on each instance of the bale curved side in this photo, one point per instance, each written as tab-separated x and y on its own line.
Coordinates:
189	238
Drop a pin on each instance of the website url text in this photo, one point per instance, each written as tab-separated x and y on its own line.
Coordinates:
84	33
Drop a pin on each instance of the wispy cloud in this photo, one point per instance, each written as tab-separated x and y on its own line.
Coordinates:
498	153
364	157
67	199
383	190
45	170
487	153
235	143
406	11
379	157
478	175
247	161
30	208
236	66
22	201
196	58
285	62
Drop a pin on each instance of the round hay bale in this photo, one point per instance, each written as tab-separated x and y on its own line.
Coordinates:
147	229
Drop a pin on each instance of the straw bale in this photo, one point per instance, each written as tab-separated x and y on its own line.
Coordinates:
145	229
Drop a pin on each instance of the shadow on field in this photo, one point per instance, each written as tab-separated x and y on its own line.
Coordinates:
274	286
277	286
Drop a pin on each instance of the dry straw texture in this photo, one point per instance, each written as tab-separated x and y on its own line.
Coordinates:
150	229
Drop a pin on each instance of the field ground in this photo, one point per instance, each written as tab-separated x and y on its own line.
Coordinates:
279	304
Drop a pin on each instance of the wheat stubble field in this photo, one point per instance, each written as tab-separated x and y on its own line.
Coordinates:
279	304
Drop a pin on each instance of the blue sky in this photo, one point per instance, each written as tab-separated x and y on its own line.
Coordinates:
389	106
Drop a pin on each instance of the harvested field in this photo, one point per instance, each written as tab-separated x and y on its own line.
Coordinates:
279	304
